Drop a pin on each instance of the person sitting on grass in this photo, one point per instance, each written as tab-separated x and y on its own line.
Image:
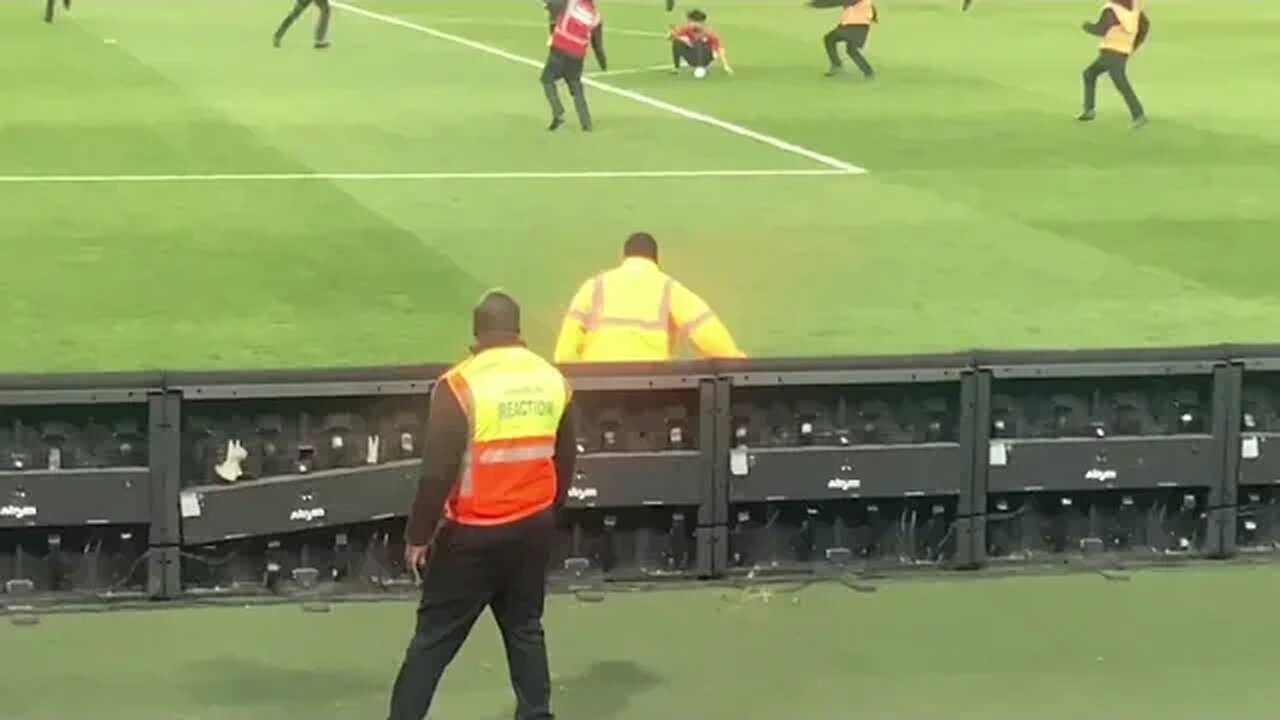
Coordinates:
697	45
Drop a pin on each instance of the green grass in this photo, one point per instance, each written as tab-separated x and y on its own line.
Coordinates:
989	217
1180	645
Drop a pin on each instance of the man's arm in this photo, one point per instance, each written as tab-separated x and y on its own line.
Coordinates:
1105	21
444	443
1144	26
566	454
573	331
697	321
597	46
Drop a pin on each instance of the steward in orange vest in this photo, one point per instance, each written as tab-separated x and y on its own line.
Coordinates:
637	313
855	24
500	453
1123	27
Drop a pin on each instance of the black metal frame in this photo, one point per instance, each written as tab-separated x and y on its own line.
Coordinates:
702	478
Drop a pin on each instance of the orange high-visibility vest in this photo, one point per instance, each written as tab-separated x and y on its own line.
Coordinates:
637	313
861	14
513	401
1122	36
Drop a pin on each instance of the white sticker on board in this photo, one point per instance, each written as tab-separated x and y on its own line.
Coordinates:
998	455
1249	449
189	502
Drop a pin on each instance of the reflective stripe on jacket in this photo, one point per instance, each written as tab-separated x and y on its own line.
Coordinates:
637	313
513	400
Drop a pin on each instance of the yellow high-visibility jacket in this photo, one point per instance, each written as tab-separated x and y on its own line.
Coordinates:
637	313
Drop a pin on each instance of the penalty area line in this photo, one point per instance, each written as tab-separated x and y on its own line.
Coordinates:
410	177
653	102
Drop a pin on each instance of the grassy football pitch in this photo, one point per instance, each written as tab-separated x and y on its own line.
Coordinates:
988	216
1190	644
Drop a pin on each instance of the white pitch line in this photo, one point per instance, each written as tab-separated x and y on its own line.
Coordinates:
725	125
402	177
613	29
629	71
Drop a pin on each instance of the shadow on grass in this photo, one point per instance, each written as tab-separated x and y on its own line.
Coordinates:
600	693
240	681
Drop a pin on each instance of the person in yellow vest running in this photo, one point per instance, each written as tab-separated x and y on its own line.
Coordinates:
855	24
1123	27
500	454
636	313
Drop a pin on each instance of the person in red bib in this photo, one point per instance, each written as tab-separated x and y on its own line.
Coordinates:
1123	27
697	45
575	27
500	454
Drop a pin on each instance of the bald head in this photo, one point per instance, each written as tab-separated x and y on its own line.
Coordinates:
497	314
641	245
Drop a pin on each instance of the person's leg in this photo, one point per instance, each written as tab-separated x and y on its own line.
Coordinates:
456	588
1090	77
1117	68
550	73
518	606
855	37
829	42
299	6
702	55
322	25
573	76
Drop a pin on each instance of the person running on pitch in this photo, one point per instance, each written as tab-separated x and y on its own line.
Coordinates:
575	26
855	24
1123	27
322	26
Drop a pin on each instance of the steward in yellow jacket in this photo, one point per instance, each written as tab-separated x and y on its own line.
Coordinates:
637	313
1123	27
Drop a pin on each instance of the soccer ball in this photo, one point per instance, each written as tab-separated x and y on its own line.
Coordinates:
700	72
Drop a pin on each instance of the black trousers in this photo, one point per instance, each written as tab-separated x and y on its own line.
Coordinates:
853	37
472	568
695	55
49	6
563	67
1114	64
299	7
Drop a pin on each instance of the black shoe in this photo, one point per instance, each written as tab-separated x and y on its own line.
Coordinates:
322	44
1139	122
835	70
587	127
276	40
869	76
1087	116
556	122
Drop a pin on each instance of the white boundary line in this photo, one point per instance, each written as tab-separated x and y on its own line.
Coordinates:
736	129
629	71
613	29
401	177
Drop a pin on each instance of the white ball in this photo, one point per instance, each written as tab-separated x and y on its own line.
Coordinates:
700	72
